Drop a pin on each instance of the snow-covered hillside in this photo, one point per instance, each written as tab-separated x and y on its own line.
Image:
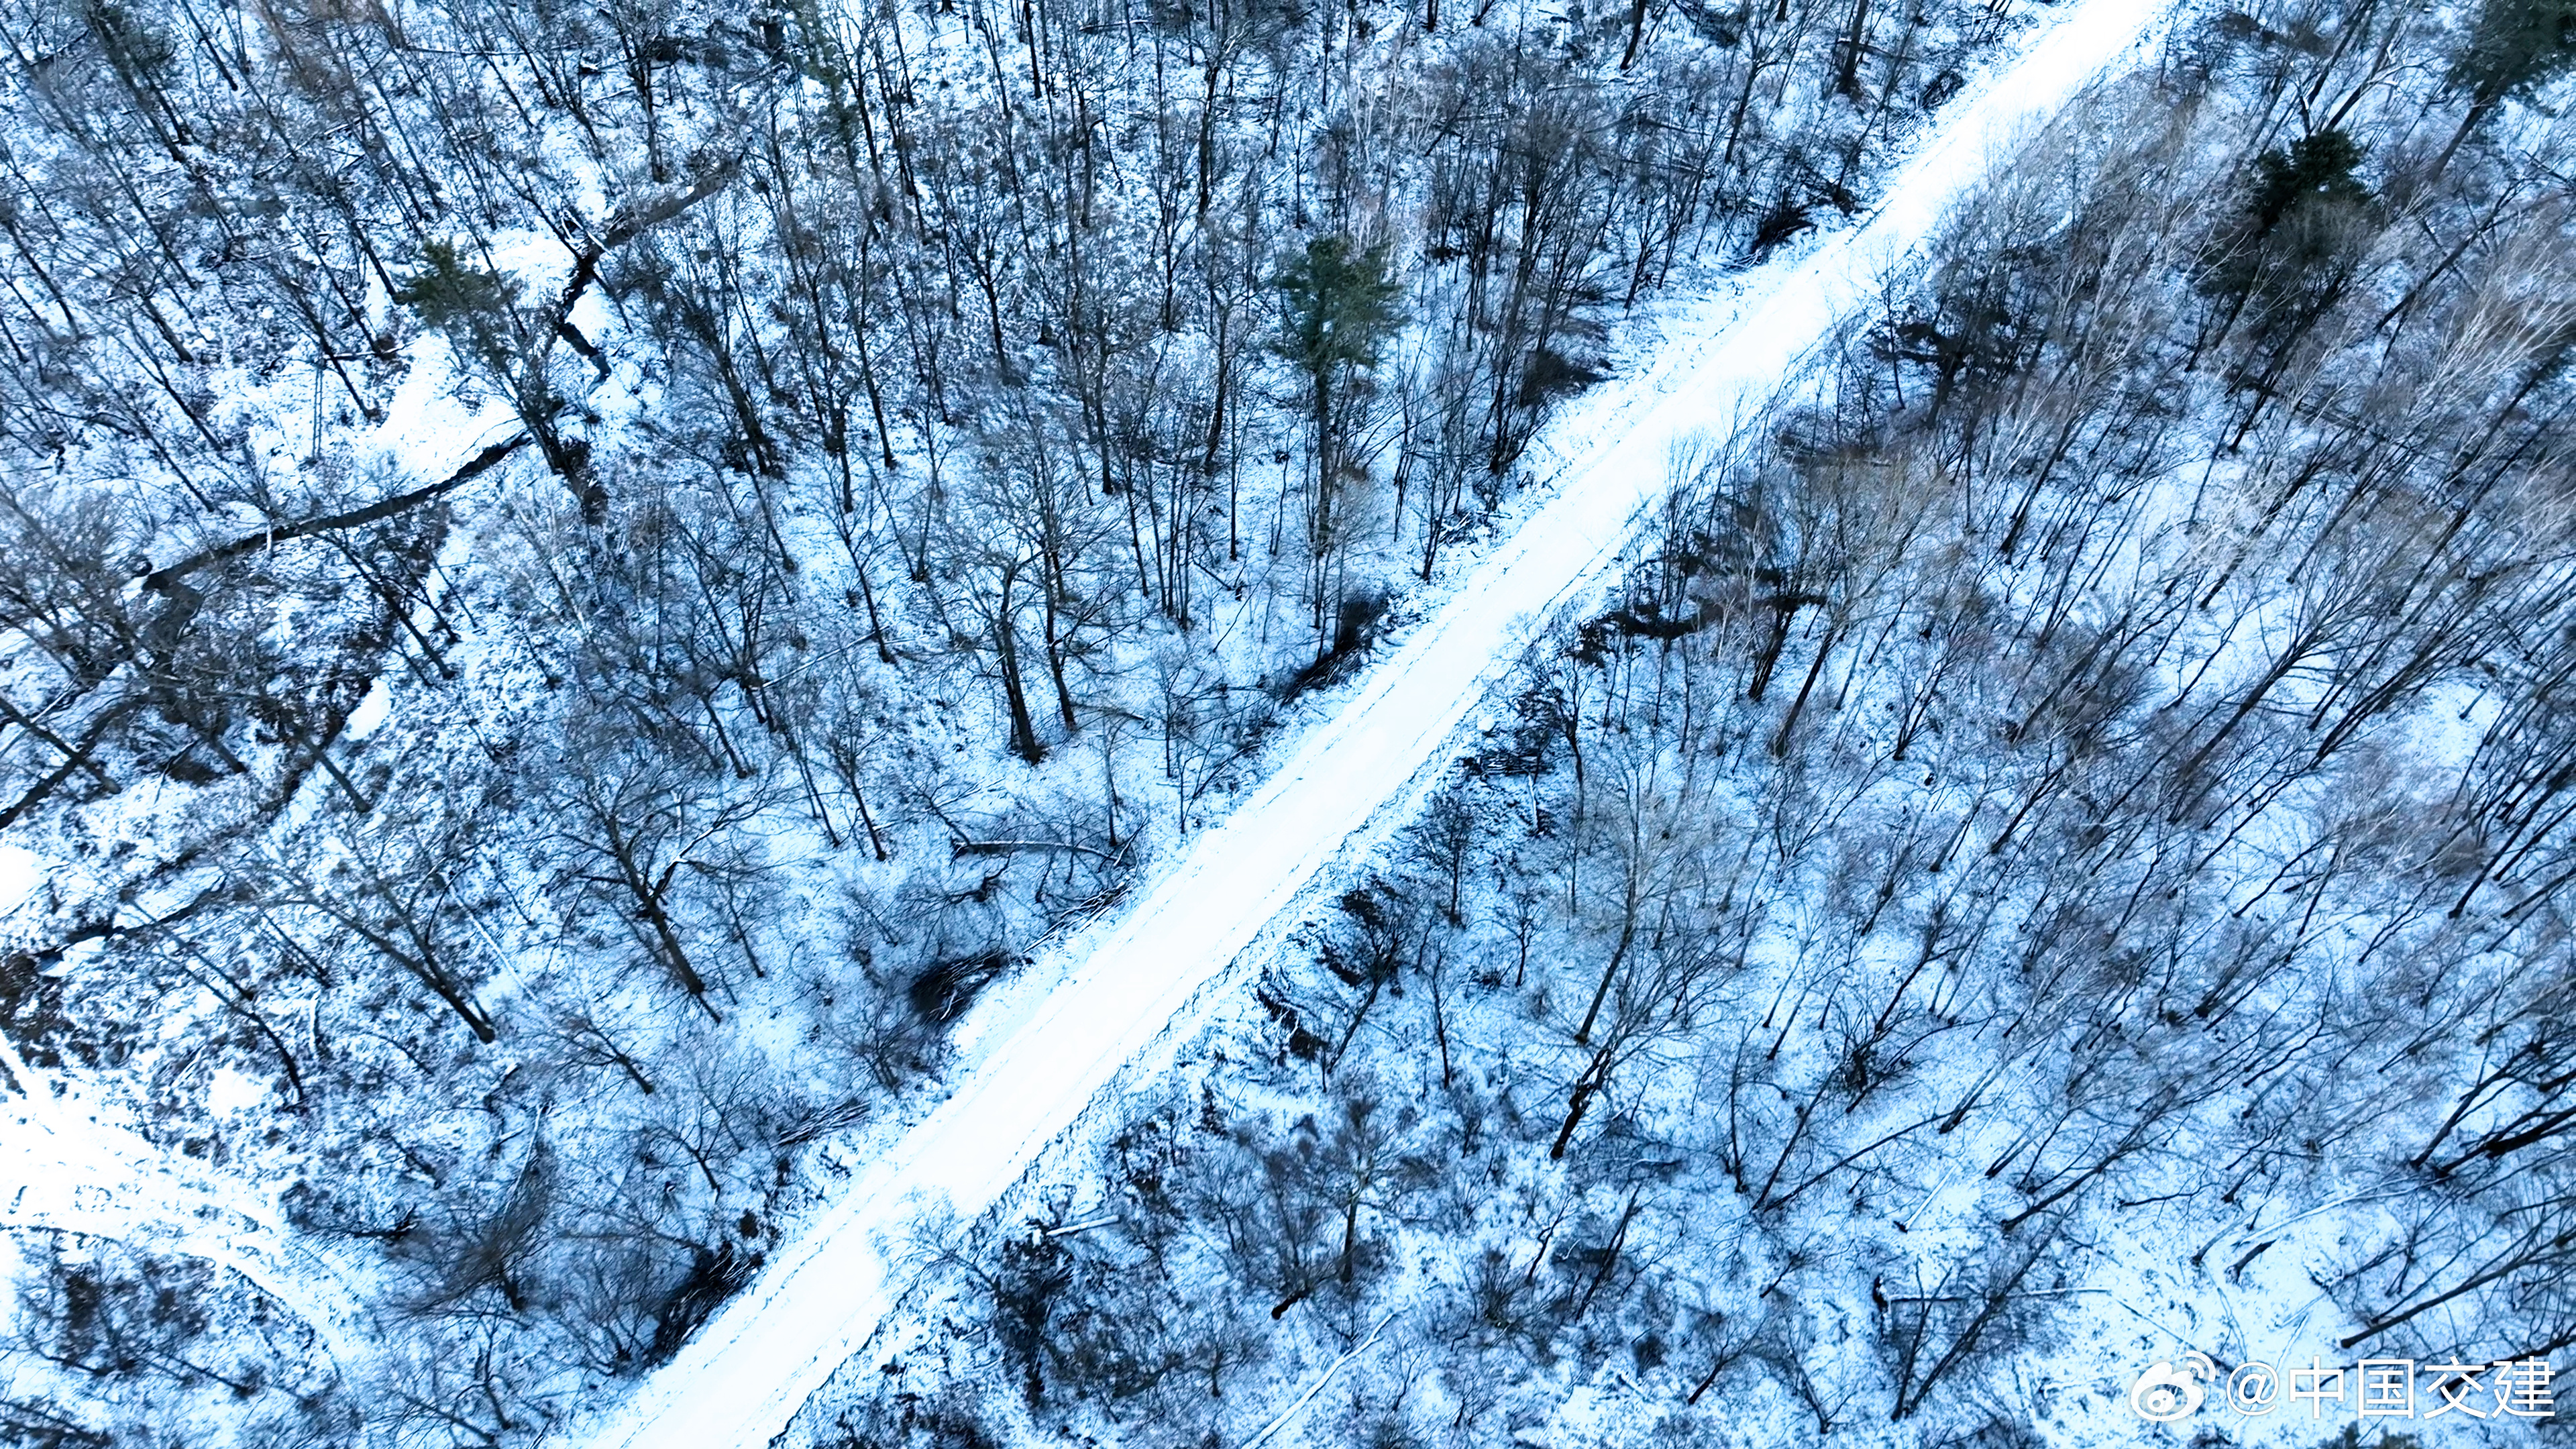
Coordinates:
1175	721
1034	1058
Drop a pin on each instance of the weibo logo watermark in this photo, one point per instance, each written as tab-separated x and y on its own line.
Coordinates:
2172	1390
2164	1394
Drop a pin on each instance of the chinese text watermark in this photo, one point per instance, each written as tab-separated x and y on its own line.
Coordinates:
2375	1388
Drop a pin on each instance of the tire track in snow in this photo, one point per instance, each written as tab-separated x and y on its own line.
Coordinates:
1040	1055
89	1179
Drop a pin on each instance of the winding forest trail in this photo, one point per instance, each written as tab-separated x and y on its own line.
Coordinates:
1035	1058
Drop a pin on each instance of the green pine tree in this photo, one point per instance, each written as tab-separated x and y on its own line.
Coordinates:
2295	223
1340	308
469	304
2516	46
2317	170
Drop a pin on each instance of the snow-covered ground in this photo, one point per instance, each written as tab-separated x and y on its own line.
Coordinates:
1035	1056
69	1170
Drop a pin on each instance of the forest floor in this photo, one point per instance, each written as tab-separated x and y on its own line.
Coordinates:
1116	996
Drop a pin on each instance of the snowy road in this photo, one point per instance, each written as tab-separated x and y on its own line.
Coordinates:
1037	1058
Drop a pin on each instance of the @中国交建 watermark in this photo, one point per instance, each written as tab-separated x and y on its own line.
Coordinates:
2173	1390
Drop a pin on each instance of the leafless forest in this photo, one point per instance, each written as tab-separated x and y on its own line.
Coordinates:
576	581
2086	781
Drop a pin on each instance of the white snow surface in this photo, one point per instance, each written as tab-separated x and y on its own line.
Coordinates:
1033	1059
64	1168
22	874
